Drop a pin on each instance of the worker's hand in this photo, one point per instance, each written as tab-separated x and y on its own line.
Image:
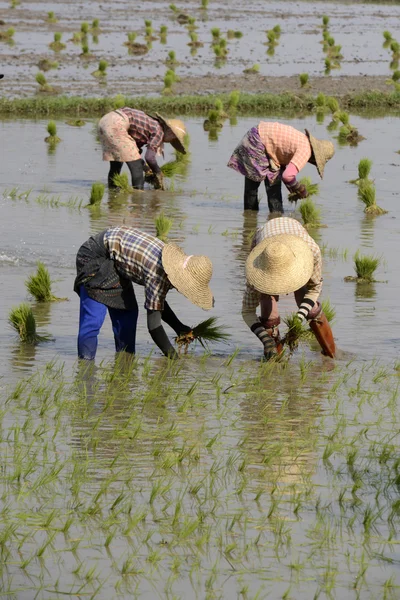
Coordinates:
159	181
298	191
270	350
300	317
146	168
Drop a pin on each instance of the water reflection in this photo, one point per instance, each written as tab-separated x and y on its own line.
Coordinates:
22	356
367	231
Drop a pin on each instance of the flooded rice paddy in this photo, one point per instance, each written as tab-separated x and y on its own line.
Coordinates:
219	476
300	23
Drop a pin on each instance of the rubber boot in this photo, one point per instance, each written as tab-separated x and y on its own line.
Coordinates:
251	200
271	327
274	195
323	332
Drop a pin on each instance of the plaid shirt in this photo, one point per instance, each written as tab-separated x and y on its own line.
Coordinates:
251	298
285	144
137	256
143	128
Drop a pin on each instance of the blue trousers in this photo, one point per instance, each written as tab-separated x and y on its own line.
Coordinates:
91	319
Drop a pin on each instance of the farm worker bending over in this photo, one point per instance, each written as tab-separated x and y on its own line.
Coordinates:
273	152
125	131
284	259
108	263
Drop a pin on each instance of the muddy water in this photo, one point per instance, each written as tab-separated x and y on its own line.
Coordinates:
206	207
300	24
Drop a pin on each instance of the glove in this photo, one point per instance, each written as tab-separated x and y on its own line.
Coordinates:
159	181
297	190
301	317
270	352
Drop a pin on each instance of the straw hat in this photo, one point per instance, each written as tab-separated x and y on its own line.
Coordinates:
178	129
190	275
280	264
323	150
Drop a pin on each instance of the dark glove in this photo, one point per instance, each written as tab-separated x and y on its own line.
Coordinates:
297	190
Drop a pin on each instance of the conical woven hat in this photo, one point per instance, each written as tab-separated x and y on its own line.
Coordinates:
280	264
178	129
190	275
323	150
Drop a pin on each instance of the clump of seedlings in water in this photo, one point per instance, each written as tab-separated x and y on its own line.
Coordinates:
45	65
135	47
76	122
96	194
171	59
39	285
43	85
52	138
205	332
204	4
347	133
121	181
57	44
7	36
163	226
149	31
101	72
51	17
95	28
234	34
22	319
174	8
170	78
321	107
85	54
365	267
325	22
303	78
85	28
183	19
233	101
367	194
194	41
388	39
216	117
310	214
296	332
220	50
364	170
255	69
163	34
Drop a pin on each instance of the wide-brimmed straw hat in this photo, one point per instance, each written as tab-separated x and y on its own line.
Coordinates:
323	150
280	264
190	275
178	129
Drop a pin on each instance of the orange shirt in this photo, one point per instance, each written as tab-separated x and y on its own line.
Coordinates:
285	144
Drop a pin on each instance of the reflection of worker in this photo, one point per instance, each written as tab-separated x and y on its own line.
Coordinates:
109	262
125	131
273	152
284	259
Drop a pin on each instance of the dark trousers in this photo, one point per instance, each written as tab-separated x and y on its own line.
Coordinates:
274	195
91	319
136	169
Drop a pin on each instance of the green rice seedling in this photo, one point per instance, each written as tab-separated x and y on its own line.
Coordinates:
343	116
22	319
163	225
296	332
303	78
277	30
329	310
102	70
205	332
215	32
57	45
96	193
310	214
312	189
328	66
120	180
388	36
253	70
85	28
171	60
95	28
233	100
194	41
395	48
51	18
52	138
321	100
7	36
76	122
191	24
85	50
271	37
163	34
364	170
204	4
325	21
367	194
238	34
396	75
173	7
332	104
39	285
365	267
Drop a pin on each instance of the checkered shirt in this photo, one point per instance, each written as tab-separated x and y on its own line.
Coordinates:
137	256
251	298
143	128
285	144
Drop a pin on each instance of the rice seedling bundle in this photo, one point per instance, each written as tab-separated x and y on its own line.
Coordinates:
163	225
205	332
303	77
328	310
312	189
296	332
39	285
367	194
96	193
310	214
52	131
254	69
22	319
121	181
365	266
